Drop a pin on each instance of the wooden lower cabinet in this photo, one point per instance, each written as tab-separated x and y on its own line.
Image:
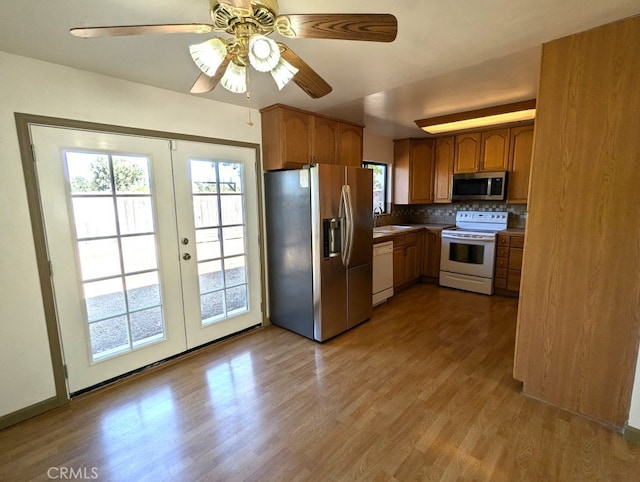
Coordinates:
406	254
508	263
431	245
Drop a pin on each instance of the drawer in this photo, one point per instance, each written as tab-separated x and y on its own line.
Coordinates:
500	283
411	238
502	263
501	272
503	252
399	241
503	240
517	241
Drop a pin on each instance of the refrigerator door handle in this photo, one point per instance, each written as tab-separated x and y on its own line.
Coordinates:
349	228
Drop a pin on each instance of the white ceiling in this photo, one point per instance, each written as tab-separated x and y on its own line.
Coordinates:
449	56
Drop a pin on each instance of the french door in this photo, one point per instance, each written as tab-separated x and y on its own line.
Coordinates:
153	246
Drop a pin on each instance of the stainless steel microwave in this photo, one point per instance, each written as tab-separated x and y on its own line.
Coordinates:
487	186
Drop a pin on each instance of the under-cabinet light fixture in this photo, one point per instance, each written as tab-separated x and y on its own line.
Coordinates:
490	116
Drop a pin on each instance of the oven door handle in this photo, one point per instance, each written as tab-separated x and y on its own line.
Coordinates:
468	237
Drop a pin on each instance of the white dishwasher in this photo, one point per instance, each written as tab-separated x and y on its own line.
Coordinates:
382	272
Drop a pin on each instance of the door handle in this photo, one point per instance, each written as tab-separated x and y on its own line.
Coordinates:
186	256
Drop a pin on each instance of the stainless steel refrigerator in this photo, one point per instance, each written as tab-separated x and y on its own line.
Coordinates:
319	248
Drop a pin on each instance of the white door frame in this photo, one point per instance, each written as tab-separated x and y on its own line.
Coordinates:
23	123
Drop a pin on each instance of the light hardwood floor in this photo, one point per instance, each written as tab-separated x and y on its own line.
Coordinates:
422	391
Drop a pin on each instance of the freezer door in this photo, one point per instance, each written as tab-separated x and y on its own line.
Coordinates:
289	253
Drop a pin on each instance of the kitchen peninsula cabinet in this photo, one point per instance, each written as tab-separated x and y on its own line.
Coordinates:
413	171
406	255
292	138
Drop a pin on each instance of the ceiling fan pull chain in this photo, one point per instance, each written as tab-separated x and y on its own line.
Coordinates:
249	123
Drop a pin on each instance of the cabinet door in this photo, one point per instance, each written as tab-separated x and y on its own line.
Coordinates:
467	152
443	170
324	140
431	254
296	145
494	154
401	171
515	259
349	145
411	268
421	171
520	164
398	266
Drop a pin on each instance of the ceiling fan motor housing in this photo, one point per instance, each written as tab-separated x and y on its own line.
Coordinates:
263	17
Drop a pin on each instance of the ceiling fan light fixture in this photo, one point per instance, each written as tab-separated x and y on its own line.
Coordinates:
209	55
283	73
264	53
235	78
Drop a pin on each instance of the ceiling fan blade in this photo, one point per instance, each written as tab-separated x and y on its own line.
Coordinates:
204	83
111	31
372	27
306	78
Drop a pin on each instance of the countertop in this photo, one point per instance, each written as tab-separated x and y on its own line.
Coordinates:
387	233
513	231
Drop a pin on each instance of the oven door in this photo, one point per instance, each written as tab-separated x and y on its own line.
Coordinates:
466	253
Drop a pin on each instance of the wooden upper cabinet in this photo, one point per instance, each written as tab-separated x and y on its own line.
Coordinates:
349	145
286	138
482	151
413	171
494	155
292	138
467	152
421	179
520	164
444	160
324	140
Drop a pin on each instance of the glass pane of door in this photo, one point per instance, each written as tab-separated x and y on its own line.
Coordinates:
112	210
220	224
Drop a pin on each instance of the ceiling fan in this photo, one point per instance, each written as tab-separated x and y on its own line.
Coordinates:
250	22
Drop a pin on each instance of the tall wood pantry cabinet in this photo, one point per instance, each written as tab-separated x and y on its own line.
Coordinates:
578	316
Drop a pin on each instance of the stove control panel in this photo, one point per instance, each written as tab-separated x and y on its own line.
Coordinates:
484	220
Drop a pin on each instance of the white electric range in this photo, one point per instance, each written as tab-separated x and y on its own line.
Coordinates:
469	250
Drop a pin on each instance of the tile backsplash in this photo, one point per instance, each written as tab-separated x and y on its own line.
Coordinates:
446	213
